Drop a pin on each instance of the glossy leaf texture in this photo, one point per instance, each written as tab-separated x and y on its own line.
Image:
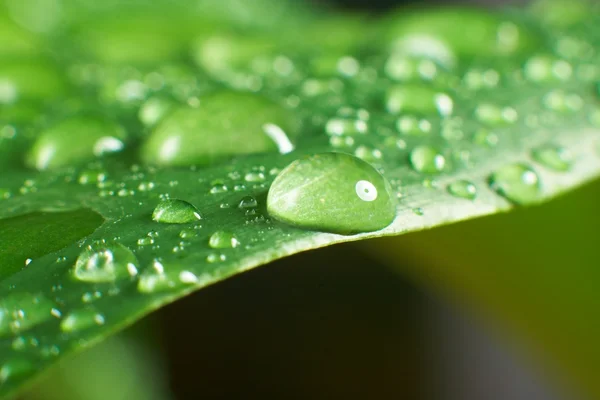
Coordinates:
167	125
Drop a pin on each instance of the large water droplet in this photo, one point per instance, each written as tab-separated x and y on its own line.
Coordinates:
75	140
517	182
553	157
428	160
105	263
225	124
175	211
332	192
81	319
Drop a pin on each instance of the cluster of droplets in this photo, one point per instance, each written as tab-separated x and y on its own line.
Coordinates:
407	110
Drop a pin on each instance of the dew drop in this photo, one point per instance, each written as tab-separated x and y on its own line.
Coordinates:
428	160
463	189
418	99
553	157
494	115
345	126
413	126
175	211
222	240
332	192
81	319
154	110
105	263
73	141
248	202
21	311
516	182
158	279
225	124
14	368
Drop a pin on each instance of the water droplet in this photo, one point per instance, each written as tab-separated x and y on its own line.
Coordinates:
516	182
222	240
14	368
463	189
545	69
105	263
332	192
413	126
31	80
158	279
81	319
553	157
154	110
214	258
175	212
346	126
418	99
225	124
65	145
493	115
21	311
428	160
558	100
248	202
468	32
254	177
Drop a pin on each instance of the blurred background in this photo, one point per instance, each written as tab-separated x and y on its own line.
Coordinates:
501	308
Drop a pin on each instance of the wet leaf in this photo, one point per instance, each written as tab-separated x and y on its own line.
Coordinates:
174	136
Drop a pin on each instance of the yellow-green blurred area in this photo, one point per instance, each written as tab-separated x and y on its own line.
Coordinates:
502	307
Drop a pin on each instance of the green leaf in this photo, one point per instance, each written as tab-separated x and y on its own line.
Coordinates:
464	112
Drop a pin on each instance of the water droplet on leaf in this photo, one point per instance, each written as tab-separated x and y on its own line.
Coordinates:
428	160
553	157
332	192
225	124
222	240
463	189
175	211
518	183
105	263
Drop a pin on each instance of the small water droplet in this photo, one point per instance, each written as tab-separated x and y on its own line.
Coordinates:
494	115
353	198
428	160
158	279
214	258
463	189
21	311
248	202
413	126
553	157
418	99
346	126
175	211
222	240
516	182
14	368
81	319
105	263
